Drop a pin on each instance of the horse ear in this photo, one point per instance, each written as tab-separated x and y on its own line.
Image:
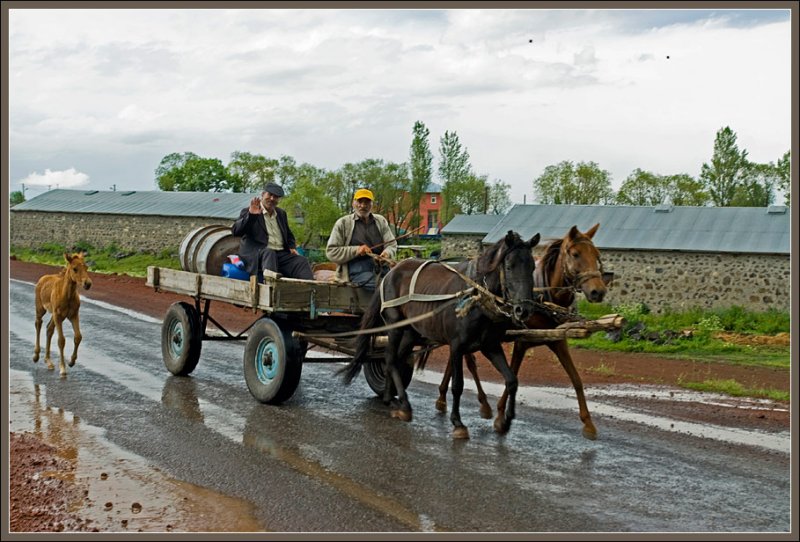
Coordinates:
534	240
67	257
592	231
573	232
510	238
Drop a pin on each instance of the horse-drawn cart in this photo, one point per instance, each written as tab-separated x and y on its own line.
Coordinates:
282	307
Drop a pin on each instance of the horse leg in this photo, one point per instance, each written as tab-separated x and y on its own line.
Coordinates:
517	355
51	327
441	402
61	343
76	328
497	357
402	355
40	311
486	410
561	350
459	429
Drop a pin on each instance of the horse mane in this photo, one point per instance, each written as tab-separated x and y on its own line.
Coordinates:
550	257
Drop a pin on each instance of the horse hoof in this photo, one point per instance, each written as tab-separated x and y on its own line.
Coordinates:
486	412
72	362
35	358
501	425
404	415
589	433
441	405
51	367
460	433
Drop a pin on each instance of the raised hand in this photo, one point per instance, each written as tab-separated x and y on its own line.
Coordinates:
255	206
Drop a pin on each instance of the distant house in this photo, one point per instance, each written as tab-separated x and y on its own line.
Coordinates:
430	212
663	256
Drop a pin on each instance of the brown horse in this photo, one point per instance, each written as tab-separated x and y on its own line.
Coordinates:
58	294
567	265
502	278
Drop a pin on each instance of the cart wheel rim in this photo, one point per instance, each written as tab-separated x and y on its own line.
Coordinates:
176	339
267	360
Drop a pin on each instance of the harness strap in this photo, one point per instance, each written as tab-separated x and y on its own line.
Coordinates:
413	296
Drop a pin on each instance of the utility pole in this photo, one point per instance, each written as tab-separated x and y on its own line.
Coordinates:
23	190
486	200
113	187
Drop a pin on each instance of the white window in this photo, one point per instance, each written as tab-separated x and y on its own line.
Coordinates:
433	198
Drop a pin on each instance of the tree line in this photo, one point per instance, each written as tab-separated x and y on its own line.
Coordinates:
730	179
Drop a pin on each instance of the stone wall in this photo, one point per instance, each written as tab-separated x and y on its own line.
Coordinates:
129	232
680	280
461	246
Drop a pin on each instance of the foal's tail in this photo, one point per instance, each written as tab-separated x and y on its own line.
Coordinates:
370	319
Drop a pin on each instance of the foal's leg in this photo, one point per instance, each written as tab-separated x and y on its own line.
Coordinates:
40	312
51	327
495	354
76	328
486	410
61	343
561	350
517	355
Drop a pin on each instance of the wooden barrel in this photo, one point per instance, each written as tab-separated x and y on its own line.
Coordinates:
206	248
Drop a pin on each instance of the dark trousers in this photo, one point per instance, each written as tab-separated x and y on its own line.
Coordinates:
287	264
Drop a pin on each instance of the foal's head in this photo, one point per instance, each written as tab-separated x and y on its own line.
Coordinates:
513	259
580	262
77	271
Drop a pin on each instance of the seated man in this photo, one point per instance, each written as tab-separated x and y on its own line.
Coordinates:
357	235
267	242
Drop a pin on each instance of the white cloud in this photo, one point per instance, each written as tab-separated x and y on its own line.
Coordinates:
523	89
69	178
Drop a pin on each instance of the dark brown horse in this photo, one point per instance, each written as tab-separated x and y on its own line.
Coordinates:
58	294
567	265
497	292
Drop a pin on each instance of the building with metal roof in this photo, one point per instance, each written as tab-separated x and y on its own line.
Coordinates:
189	204
664	257
756	230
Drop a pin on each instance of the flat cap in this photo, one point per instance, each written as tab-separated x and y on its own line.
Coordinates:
274	189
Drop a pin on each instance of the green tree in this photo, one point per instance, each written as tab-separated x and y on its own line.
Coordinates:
420	161
16	197
569	184
757	186
643	188
250	172
723	176
686	190
469	195
188	172
784	176
454	167
311	212
499	197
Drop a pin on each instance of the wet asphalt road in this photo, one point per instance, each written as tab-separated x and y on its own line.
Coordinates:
331	459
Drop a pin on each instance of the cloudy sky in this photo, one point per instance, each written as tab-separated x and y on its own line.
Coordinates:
98	97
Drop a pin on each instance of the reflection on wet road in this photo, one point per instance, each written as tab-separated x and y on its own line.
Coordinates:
331	459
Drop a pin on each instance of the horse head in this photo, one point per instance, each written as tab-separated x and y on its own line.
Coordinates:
581	263
508	271
77	271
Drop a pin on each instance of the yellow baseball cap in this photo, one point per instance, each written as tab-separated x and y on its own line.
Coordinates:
363	193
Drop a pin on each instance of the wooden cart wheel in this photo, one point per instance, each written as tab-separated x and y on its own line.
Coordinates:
374	373
181	339
273	362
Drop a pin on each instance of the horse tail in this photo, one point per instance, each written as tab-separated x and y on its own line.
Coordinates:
370	319
422	359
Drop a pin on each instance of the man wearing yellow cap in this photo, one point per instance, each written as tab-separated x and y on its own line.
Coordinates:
355	237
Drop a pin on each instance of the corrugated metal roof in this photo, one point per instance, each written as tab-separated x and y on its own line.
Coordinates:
471	224
433	188
699	229
201	204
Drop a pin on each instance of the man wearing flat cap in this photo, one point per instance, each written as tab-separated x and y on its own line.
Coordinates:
356	239
267	242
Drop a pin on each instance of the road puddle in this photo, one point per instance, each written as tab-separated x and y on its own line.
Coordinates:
121	492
